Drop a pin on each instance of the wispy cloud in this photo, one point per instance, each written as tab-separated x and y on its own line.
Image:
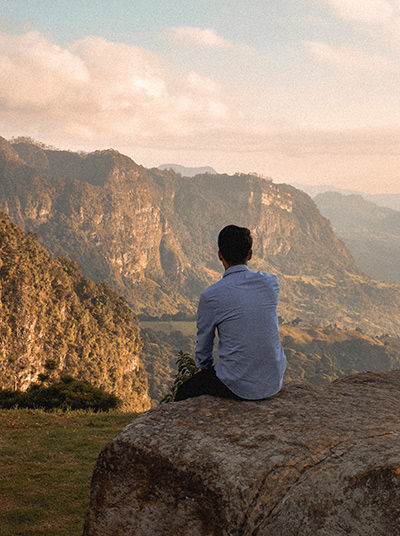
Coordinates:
201	38
377	19
191	36
95	93
349	57
369	11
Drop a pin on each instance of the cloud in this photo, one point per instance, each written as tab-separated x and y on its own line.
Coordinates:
191	36
348	57
378	20
110	92
355	142
366	11
95	94
34	71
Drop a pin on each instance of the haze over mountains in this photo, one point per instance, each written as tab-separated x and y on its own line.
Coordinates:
188	171
384	200
151	234
371	232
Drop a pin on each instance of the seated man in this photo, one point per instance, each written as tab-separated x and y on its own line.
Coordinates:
242	306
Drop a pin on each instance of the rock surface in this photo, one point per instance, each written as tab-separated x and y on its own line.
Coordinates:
314	460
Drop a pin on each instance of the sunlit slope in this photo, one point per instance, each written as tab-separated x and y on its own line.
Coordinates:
313	354
151	234
316	354
54	322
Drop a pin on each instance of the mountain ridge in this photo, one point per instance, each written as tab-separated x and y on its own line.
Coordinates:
383	200
151	234
187	171
371	232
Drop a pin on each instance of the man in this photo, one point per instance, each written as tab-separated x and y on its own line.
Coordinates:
242	307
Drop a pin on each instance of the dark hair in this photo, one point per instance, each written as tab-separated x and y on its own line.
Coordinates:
235	243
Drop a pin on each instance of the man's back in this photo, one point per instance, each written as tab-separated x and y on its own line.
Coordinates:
242	307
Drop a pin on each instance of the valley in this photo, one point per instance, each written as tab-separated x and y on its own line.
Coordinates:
314	354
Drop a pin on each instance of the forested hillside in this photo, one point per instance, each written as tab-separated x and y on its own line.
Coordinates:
54	321
151	234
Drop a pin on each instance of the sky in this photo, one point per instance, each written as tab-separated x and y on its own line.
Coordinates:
302	91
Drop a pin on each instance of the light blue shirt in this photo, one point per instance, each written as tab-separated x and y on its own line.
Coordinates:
242	307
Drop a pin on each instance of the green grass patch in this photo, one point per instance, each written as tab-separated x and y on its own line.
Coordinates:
186	327
46	463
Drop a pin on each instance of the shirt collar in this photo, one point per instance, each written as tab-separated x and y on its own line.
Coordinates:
235	268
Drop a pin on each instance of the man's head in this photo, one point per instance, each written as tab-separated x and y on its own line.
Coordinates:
234	245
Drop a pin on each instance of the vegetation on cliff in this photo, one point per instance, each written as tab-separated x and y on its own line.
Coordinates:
151	234
54	321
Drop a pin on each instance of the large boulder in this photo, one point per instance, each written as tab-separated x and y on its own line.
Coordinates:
313	460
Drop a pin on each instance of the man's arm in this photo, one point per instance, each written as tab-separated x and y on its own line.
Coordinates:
205	334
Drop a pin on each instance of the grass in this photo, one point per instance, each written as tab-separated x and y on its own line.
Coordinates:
186	327
46	462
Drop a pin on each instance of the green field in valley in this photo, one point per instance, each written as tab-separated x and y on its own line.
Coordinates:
46	463
186	327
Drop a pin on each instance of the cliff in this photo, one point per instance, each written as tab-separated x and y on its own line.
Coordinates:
151	234
310	461
55	321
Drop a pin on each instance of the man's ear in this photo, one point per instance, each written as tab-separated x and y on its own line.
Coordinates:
249	256
220	256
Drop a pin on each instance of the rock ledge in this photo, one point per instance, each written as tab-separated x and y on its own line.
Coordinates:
313	460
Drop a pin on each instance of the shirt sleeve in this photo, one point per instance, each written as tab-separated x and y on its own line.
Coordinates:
205	334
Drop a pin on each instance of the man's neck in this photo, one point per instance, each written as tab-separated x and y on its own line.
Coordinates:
226	266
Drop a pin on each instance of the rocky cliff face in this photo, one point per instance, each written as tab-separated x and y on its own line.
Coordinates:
311	461
54	321
151	234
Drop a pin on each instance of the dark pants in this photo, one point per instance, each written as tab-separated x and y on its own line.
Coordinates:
204	382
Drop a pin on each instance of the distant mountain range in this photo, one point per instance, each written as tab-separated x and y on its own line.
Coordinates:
371	232
151	234
188	171
383	200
